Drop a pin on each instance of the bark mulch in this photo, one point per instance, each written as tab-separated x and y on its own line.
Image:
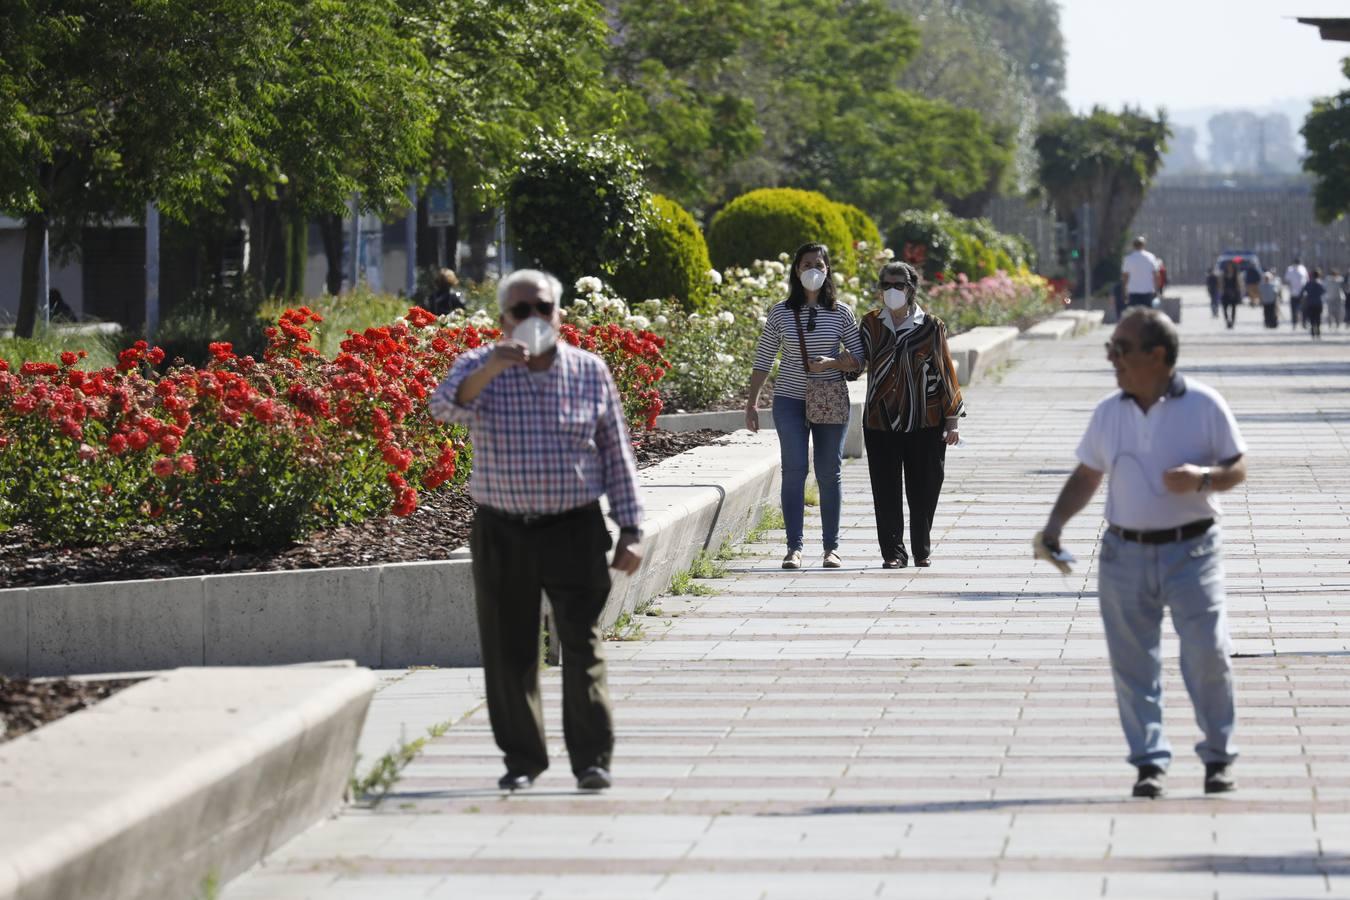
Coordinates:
439	526
26	705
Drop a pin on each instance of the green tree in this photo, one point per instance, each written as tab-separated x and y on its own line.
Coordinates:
1028	31
1327	134
109	105
1107	160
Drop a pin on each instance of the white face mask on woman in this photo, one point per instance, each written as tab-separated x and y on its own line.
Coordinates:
894	298
537	334
813	279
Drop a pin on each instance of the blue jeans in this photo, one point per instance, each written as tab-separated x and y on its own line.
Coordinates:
1135	582
789	420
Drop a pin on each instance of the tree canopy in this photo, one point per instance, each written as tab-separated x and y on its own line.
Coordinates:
1327	134
1107	160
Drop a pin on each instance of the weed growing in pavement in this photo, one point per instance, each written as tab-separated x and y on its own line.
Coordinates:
683	584
769	520
726	552
210	889
653	611
626	628
705	566
370	790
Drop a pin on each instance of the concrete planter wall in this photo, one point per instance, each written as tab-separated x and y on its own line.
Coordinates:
190	776
387	616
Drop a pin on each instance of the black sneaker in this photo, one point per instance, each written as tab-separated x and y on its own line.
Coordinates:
1150	782
1219	778
594	779
515	781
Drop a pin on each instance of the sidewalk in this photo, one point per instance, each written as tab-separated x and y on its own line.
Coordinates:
947	733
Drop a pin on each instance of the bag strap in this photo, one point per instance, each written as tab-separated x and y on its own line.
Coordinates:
801	338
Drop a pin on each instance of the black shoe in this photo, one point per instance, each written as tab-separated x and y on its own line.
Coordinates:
923	563
515	781
892	563
594	779
1219	778
1150	782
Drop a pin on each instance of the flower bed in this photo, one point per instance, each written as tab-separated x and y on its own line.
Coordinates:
245	452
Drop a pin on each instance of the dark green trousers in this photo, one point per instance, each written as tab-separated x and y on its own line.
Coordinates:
567	560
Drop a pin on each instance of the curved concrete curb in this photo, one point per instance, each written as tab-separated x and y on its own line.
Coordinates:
978	350
388	616
189	777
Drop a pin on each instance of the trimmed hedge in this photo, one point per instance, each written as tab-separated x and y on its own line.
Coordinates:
770	221
952	246
860	225
676	263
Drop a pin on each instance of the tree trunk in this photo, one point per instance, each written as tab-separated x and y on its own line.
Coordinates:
35	228
330	228
297	254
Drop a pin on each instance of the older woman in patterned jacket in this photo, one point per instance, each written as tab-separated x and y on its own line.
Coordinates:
913	410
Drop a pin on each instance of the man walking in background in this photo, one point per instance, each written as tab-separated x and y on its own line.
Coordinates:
1140	276
1296	277
1169	445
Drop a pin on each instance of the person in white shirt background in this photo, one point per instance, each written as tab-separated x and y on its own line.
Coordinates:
1296	277
1140	276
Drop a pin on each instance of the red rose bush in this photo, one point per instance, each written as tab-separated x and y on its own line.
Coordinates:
255	452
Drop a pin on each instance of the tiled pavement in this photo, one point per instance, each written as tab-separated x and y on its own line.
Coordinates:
945	733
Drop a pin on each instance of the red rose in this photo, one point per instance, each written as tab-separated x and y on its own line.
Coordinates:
138	440
187	464
117	444
68	358
162	467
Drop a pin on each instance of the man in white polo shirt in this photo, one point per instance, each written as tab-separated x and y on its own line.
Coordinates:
1169	445
1140	276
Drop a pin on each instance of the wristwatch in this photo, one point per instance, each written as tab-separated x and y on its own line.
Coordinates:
1204	480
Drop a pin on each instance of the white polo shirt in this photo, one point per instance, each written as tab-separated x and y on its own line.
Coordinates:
1191	423
1142	267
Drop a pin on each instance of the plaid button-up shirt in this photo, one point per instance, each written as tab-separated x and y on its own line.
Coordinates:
545	442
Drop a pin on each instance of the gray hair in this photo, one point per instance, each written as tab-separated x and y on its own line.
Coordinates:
528	276
901	269
1155	330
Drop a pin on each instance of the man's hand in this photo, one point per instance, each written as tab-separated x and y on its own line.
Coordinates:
506	354
751	417
627	554
1183	479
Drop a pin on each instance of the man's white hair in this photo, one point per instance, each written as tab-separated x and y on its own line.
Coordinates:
528	276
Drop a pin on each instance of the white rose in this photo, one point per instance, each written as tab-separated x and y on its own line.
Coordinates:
714	276
726	317
838	280
853	282
725	359
862	246
693	316
683	367
763	320
589	284
784	258
888	253
660	321
638	323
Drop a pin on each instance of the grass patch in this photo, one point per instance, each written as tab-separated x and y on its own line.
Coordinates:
771	519
626	627
684	584
705	566
48	343
811	494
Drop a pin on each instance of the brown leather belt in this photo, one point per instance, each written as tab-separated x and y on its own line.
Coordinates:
1163	535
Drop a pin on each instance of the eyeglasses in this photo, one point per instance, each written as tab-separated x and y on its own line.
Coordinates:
521	311
1119	347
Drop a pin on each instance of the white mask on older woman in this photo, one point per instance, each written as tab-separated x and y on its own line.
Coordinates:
894	298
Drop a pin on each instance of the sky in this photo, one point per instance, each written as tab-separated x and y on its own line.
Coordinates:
1199	54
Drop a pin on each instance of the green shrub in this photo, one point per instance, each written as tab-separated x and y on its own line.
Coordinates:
212	314
770	221
676	263
860	225
578	207
926	237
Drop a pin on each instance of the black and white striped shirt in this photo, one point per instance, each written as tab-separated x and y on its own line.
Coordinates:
833	328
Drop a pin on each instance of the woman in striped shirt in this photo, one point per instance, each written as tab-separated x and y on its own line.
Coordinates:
826	326
912	412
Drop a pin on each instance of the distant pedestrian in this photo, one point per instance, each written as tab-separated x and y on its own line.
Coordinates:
1212	285
1140	275
1168	444
810	329
1295	278
912	414
1270	299
1230	292
1335	300
446	297
58	310
1251	279
549	438
1314	294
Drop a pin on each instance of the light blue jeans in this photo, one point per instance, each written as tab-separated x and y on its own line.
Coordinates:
1135	582
789	420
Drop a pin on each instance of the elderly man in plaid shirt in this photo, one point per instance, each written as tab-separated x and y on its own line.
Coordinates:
549	438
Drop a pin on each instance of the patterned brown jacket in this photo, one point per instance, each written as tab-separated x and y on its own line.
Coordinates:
911	380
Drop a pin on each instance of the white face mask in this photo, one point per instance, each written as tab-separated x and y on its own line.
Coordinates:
537	334
813	279
894	298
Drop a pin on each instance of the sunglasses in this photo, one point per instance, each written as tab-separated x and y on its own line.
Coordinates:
811	319
521	311
900	285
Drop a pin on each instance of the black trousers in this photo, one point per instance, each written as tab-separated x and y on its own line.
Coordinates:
566	559
916	462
